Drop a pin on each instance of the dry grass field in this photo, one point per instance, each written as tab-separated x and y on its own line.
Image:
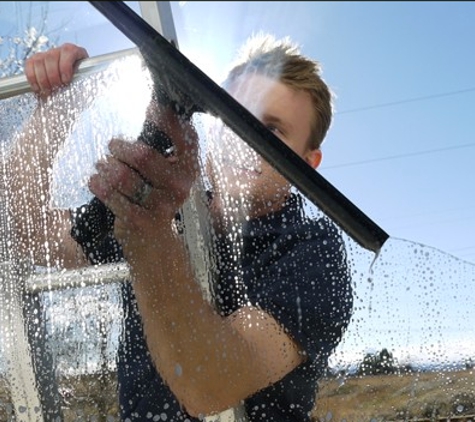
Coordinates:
428	396
423	396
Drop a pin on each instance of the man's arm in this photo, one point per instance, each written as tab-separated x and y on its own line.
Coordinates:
41	233
209	361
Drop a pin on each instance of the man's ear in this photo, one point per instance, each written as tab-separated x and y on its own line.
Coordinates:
313	157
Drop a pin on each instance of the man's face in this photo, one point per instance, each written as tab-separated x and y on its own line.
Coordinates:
237	172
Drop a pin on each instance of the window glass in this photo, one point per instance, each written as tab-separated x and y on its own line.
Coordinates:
386	331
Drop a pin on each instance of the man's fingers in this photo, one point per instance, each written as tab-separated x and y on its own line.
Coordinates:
69	60
42	72
50	70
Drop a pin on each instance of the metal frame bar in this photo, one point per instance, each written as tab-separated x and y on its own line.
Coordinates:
159	15
84	277
18	85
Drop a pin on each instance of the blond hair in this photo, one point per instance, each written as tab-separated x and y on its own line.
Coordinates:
281	59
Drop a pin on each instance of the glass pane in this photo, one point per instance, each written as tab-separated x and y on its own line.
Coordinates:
403	98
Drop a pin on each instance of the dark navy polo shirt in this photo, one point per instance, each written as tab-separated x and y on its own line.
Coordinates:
292	267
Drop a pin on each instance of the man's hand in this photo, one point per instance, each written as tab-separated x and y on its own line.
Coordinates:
50	70
122	174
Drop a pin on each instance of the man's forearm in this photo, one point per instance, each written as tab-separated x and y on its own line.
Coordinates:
195	349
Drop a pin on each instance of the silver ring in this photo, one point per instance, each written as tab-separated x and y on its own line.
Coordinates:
142	194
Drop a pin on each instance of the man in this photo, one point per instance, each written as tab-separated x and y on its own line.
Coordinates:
281	289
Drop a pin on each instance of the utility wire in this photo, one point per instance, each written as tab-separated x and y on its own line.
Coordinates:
392	157
409	100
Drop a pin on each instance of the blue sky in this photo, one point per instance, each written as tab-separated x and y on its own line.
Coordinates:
402	144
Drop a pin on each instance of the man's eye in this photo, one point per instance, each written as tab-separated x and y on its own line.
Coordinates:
274	129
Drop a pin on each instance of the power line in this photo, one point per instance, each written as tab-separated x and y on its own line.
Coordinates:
409	100
392	157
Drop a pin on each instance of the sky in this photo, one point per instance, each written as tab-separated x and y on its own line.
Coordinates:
402	143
